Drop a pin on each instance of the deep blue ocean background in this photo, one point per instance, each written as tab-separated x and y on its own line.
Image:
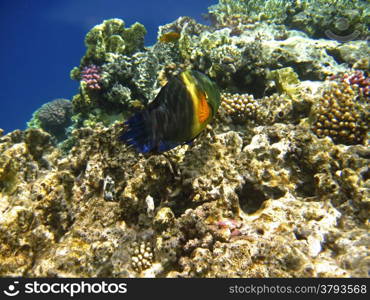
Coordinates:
42	40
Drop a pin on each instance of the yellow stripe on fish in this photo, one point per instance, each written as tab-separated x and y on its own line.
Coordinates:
202	111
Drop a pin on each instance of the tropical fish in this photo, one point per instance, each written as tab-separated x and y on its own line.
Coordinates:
169	37
179	113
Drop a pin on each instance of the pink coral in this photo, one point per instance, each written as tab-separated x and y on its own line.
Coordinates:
231	225
92	76
358	78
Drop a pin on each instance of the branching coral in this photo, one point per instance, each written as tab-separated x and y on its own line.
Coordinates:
339	116
92	76
246	11
244	108
239	107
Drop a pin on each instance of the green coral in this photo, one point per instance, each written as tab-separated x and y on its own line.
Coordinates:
112	38
286	81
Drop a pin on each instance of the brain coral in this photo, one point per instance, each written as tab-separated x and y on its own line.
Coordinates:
54	117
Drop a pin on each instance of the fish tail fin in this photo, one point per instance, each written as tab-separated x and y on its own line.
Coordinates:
137	134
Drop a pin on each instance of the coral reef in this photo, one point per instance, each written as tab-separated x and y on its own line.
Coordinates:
245	109
228	12
265	201
118	74
111	38
277	185
340	18
242	62
109	43
242	59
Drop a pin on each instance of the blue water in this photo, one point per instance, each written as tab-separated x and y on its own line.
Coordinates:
42	40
